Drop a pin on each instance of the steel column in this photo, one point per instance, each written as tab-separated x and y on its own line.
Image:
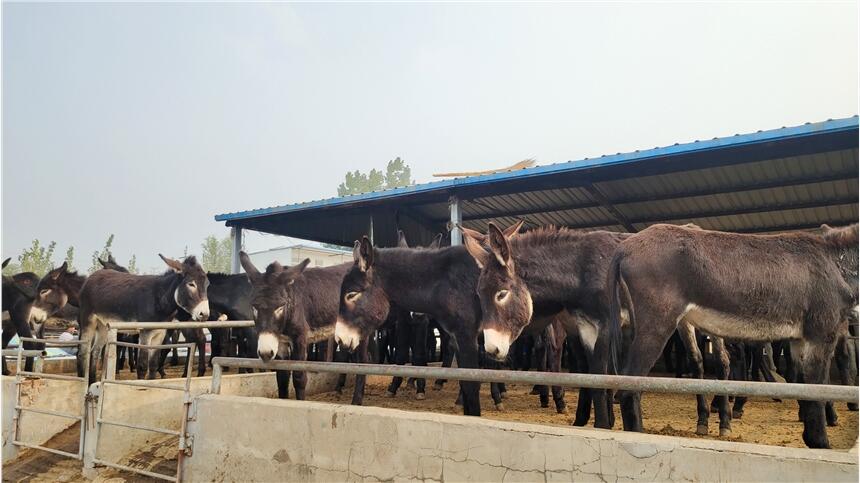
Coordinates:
456	220
236	235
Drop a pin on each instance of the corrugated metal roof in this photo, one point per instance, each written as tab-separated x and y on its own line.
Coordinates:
780	179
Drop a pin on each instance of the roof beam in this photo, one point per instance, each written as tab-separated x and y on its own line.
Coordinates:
793	227
781	183
747	210
597	196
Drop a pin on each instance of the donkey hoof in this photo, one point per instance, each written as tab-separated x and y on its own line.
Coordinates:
438	387
737	414
503	394
420	396
389	394
715	410
500	407
852	406
534	392
561	410
544	404
832	423
702	429
725	432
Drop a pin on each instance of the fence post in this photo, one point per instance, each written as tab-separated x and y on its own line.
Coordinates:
216	379
110	355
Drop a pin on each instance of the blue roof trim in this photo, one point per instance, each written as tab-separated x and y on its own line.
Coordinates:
825	127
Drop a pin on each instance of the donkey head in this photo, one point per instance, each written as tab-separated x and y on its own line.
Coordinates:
506	303
844	241
110	264
364	305
272	304
191	293
52	294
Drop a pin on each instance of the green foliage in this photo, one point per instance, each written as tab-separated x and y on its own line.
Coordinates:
37	259
70	258
12	268
132	265
103	254
216	254
397	173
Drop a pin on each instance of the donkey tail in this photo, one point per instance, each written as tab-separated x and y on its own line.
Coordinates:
613	285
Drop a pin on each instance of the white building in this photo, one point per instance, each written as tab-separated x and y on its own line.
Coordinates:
293	254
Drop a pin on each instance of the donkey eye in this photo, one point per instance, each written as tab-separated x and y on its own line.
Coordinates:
501	295
192	285
254	310
352	296
279	311
44	291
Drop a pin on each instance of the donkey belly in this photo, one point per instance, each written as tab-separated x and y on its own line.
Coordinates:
737	326
320	334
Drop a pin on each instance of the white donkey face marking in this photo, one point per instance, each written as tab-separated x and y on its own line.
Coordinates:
346	336
267	346
201	311
497	343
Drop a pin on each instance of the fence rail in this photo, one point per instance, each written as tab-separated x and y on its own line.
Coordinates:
214	324
810	392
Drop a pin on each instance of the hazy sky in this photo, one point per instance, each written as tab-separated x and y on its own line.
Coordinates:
146	120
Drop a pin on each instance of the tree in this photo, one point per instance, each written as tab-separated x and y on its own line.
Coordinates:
12	268
70	258
37	258
132	265
397	173
103	254
216	254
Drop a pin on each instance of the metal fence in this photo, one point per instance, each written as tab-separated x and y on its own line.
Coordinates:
809	392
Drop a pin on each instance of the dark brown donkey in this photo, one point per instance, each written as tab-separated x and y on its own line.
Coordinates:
758	288
56	289
543	272
109	295
440	283
18	294
294	307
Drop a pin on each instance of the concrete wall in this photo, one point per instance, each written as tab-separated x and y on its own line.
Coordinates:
308	441
163	409
65	396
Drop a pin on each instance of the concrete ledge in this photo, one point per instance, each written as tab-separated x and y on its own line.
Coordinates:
254	439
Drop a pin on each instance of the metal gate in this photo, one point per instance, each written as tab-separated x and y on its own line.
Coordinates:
20	375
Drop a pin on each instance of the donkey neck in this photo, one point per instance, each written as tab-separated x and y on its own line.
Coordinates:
422	280
72	286
164	289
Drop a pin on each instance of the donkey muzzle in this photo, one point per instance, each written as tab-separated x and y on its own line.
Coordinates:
200	311
497	344
267	346
37	315
346	336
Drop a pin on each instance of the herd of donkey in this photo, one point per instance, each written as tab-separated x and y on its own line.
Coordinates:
615	300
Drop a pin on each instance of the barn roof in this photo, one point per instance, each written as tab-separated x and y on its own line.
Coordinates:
781	179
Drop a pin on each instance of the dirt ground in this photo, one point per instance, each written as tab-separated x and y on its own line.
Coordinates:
764	421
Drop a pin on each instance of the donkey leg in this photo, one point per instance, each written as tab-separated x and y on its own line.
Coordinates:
420	355
554	365
812	363
300	378
156	338
843	363
688	337
401	354
579	364
467	358
723	370
447	354
361	356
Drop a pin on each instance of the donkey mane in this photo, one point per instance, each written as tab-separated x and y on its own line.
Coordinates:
547	235
218	276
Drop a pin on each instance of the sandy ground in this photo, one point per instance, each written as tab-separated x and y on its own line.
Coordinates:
764	421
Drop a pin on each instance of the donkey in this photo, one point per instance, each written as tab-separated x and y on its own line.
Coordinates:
110	295
294	307
18	295
543	272
111	264
440	283
57	288
758	288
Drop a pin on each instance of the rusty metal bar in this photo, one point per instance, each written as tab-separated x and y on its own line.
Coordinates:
146	384
49	412
57	377
134	470
26	353
154	346
214	324
53	342
809	392
49	450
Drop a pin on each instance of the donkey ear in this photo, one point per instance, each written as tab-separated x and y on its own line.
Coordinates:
252	272
401	239
365	255
289	275
58	272
476	249
500	246
103	263
6	262
513	230
437	242
173	264
475	235
111	259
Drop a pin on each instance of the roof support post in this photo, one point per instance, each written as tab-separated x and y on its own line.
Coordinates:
236	235
597	196
370	229
456	220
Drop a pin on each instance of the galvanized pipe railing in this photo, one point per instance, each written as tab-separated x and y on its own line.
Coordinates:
214	324
809	392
